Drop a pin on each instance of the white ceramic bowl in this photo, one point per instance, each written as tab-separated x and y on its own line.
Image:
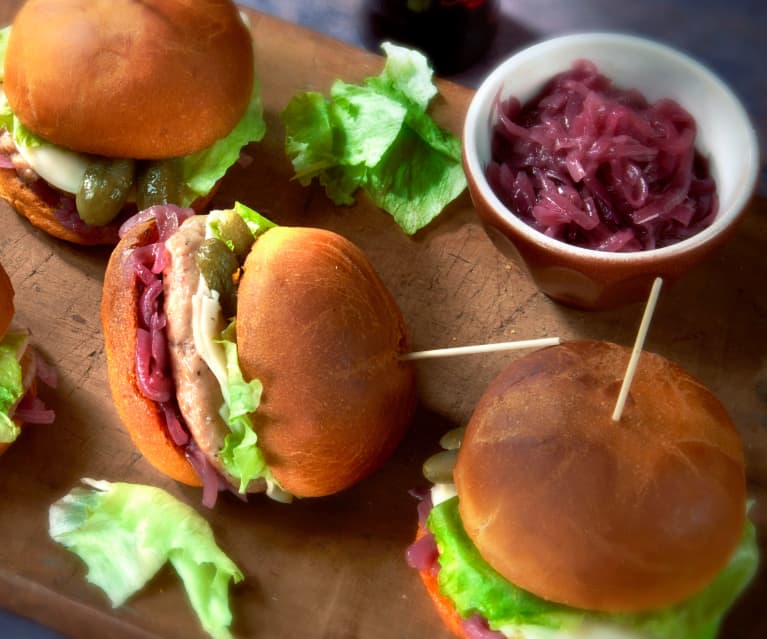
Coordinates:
594	279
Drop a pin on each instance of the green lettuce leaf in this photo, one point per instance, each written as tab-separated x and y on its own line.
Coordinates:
240	455
378	137
475	587
309	135
4	34
22	136
368	123
206	167
126	532
12	124
256	222
11	382
413	182
6	115
407	75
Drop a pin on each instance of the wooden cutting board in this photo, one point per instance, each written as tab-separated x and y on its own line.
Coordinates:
334	568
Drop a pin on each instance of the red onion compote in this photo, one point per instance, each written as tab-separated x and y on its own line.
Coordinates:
599	167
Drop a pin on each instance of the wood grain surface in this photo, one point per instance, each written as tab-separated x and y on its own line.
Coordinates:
334	568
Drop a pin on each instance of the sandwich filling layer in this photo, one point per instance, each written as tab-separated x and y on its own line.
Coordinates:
207	419
477	590
66	171
20	366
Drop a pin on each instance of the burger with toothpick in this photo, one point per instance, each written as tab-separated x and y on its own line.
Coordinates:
550	519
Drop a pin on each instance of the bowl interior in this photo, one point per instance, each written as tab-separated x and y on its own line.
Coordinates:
725	135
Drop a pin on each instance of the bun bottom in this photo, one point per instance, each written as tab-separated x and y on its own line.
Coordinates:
143	418
39	207
445	608
457	624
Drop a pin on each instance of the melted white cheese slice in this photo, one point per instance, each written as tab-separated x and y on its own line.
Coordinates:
442	492
207	324
60	167
587	630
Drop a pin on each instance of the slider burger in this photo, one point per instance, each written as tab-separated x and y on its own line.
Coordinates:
20	369
248	356
111	106
557	522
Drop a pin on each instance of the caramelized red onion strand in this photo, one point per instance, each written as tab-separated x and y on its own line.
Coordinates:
423	555
32	410
153	373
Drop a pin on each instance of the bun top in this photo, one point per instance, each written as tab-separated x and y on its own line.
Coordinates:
578	509
6	302
317	326
121	78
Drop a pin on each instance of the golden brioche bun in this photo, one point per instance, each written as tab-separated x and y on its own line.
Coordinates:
42	214
578	509
318	327
119	319
129	79
6	302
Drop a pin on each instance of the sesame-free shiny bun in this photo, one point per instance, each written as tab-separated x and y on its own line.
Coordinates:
129	78
578	509
318	328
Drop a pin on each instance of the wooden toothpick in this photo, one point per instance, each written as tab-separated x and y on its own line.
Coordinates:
638	345
481	348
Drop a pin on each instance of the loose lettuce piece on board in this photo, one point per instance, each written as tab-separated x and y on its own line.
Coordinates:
378	137
126	532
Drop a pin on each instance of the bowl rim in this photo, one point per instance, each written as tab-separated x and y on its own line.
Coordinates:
490	86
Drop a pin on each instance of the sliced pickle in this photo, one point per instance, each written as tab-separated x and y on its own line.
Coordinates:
452	439
438	469
159	182
104	189
218	266
235	232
